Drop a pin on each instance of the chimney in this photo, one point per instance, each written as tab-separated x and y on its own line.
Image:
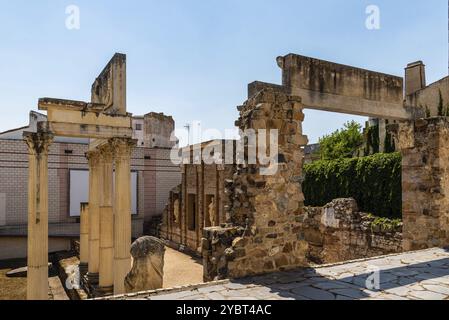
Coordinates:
415	77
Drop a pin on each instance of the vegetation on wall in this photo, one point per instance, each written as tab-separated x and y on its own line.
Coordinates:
342	143
441	111
389	144
374	182
428	114
372	145
384	224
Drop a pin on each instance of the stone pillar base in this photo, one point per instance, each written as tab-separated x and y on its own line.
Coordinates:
104	291
93	290
93	278
83	267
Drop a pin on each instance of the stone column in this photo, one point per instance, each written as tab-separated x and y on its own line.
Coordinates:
425	180
106	280
183	213
94	218
84	239
200	204
37	278
122	218
265	197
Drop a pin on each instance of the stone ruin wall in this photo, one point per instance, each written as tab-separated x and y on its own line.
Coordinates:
204	181
264	212
339	232
109	88
267	228
429	97
424	145
158	130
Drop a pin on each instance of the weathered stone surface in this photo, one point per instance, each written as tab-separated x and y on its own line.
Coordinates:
264	204
425	181
338	232
200	200
148	265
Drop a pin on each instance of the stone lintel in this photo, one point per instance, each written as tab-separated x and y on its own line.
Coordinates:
334	87
356	106
64	104
56	114
89	131
342	103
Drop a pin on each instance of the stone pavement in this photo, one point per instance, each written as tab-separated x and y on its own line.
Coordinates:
420	275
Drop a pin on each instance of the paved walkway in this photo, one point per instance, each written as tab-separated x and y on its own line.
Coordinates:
421	275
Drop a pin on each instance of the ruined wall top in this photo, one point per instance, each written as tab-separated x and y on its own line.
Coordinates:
158	130
428	97
109	88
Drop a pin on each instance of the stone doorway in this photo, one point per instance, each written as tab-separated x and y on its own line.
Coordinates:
263	235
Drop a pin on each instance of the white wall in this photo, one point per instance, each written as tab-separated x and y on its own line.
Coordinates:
79	191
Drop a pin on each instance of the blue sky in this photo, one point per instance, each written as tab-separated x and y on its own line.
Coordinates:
193	59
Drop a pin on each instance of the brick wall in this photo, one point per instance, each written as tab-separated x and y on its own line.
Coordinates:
167	176
202	181
156	176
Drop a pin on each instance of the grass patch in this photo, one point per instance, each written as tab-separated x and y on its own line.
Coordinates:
384	224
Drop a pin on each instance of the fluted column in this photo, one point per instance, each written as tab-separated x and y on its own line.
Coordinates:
122	218
106	221
84	238
94	217
37	276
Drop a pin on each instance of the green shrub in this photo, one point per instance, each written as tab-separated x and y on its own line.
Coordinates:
374	182
342	143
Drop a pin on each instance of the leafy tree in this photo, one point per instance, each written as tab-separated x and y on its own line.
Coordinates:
342	143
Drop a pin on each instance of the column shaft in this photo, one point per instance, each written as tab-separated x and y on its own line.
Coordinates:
37	277
106	221
84	238
94	218
122	218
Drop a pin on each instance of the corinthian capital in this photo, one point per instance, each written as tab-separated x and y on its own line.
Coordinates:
107	152
123	147
38	143
93	157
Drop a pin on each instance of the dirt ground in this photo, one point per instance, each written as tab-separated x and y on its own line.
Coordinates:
12	288
181	269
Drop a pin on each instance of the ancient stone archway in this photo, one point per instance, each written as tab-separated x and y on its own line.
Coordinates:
262	230
107	227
